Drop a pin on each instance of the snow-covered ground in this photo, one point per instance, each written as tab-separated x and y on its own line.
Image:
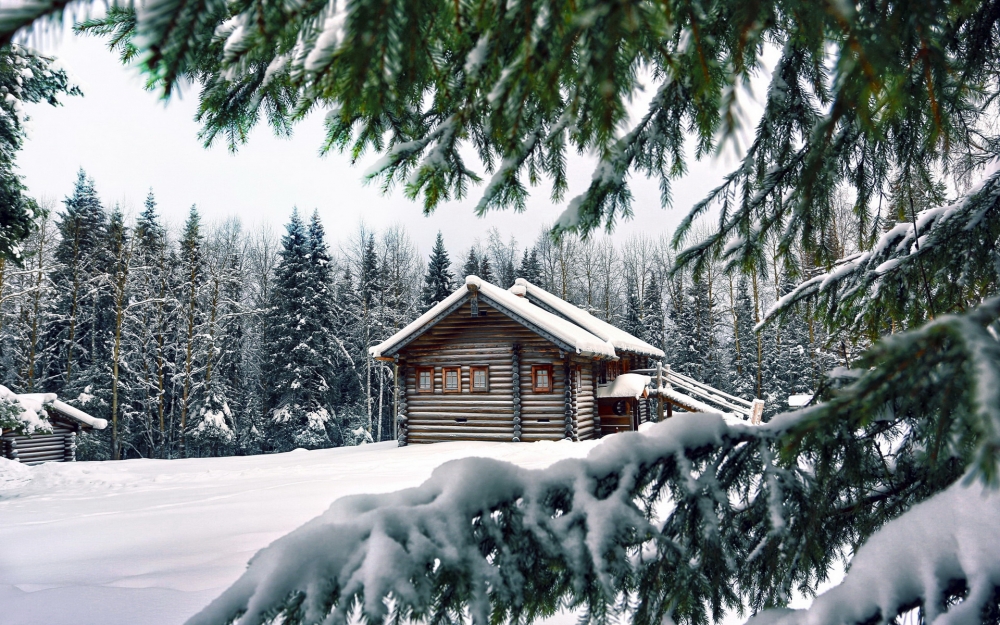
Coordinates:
153	541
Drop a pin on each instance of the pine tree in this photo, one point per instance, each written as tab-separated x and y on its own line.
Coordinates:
744	345
439	281
121	244
859	94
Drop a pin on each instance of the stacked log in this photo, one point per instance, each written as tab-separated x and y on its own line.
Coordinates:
515	378
568	399
401	419
594	372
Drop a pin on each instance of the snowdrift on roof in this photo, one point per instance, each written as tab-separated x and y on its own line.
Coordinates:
626	385
616	336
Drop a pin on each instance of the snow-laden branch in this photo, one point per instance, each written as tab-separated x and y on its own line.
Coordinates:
482	535
949	542
955	239
25	414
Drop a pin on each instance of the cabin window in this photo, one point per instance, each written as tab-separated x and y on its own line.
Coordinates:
425	380
480	379
452	379
541	378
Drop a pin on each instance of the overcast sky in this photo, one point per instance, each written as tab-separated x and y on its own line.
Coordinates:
128	140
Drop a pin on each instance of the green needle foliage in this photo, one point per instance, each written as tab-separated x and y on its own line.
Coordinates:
25	77
875	101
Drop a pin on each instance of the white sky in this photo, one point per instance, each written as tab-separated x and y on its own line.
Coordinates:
128	141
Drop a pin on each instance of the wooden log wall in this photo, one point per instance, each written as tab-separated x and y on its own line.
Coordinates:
586	404
595	371
515	364
491	339
402	423
59	446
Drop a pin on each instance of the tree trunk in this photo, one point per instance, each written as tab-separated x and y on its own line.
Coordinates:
756	318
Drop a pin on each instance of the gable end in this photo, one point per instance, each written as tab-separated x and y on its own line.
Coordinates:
531	326
392	351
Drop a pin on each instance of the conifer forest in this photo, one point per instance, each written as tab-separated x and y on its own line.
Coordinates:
212	339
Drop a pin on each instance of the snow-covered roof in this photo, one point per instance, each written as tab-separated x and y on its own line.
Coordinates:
32	405
797	401
618	337
626	385
576	338
75	413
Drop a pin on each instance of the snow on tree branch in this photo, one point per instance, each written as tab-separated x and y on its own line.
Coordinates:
25	414
943	555
496	539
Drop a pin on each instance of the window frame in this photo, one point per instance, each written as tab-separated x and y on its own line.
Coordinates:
535	388
444	379
422	370
472	378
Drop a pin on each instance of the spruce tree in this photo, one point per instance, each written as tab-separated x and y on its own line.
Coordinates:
81	256
192	270
25	77
744	346
531	267
652	306
439	281
472	265
153	282
485	269
632	317
299	370
859	93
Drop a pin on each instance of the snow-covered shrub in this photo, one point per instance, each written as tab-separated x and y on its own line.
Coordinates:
354	426
297	427
25	414
213	430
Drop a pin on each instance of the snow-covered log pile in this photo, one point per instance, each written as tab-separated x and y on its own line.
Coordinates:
670	523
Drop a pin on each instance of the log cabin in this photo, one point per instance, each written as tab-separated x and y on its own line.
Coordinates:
59	445
521	364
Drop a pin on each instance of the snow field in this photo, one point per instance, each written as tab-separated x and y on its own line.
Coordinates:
153	541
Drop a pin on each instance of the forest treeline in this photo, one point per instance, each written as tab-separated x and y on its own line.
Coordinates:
217	340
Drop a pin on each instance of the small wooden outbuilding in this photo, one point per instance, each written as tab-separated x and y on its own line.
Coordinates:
59	445
512	365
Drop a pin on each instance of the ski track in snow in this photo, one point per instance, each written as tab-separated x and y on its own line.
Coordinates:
152	541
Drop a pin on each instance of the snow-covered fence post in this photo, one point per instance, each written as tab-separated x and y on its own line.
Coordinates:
515	379
568	397
659	391
12	448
